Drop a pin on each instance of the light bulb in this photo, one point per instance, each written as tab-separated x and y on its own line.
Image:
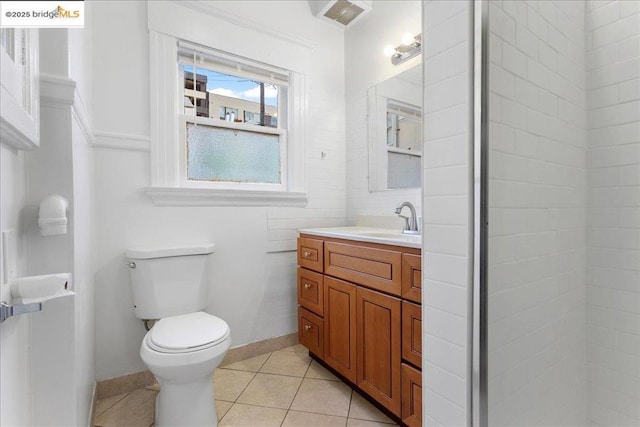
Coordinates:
407	39
389	50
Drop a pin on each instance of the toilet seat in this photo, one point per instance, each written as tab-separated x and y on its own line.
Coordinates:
187	333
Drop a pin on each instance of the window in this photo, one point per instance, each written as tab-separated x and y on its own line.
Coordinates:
233	121
204	153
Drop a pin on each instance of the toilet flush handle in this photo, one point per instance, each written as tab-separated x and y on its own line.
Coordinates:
132	264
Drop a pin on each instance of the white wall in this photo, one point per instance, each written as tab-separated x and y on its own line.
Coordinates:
253	269
366	66
613	286
537	220
47	357
447	189
15	375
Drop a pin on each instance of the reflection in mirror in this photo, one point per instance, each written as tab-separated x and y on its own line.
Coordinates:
403	126
395	131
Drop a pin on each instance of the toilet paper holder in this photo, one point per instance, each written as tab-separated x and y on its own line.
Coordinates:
7	310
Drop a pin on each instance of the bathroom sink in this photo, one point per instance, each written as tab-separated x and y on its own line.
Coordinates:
386	235
367	234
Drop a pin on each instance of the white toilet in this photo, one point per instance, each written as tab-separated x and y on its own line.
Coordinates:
186	345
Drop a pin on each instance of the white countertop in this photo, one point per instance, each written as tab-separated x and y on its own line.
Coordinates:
384	236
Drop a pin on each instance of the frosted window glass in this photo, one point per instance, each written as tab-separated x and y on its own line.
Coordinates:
220	154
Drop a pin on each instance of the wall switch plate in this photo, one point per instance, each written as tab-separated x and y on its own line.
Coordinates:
9	253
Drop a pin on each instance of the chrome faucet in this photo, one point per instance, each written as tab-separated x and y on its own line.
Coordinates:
410	223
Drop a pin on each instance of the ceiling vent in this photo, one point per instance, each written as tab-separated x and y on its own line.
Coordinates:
342	12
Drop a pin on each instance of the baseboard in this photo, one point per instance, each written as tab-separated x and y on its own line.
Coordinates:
92	411
124	384
257	348
138	380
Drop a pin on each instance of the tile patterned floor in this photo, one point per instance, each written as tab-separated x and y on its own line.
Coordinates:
284	388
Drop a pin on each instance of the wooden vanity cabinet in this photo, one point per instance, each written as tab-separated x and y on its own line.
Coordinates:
358	314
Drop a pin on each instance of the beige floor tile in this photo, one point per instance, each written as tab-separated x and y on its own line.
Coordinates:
298	348
106	403
287	363
253	416
222	407
253	364
136	409
228	384
323	397
319	372
362	409
274	391
307	419
352	422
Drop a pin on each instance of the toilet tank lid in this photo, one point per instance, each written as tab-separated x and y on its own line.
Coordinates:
169	251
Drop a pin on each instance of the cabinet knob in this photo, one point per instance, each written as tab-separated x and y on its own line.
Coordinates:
306	254
307	327
307	286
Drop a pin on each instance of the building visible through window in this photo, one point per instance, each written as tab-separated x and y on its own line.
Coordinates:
229	98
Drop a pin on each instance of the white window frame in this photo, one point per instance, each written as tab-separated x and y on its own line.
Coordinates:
168	170
214	122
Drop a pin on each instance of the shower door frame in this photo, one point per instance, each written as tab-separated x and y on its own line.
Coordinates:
479	295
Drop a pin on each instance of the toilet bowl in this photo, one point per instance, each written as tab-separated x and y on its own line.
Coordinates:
182	352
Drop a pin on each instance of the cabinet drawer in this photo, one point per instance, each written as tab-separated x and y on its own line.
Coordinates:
412	333
412	277
310	291
310	254
411	396
375	268
311	331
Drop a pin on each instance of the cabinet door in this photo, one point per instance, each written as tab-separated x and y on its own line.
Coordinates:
411	396
340	326
412	333
412	277
378	332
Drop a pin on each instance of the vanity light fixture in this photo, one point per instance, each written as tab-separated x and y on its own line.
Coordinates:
409	48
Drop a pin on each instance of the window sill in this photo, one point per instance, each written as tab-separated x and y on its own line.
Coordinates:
174	196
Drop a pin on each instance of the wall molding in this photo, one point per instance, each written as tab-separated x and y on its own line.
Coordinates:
61	91
175	196
121	141
56	90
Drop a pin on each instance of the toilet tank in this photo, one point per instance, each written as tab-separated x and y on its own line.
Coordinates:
167	281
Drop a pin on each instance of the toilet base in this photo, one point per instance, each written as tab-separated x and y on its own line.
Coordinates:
186	404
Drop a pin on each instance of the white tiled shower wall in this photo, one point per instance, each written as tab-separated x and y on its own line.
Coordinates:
613	215
537	218
447	215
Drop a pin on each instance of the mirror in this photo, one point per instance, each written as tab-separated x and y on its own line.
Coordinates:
395	131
